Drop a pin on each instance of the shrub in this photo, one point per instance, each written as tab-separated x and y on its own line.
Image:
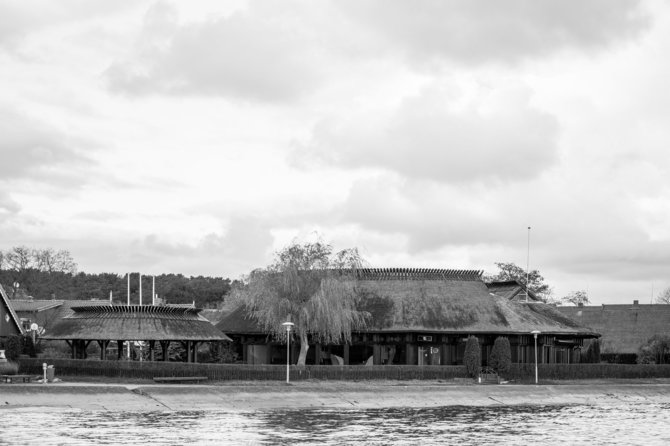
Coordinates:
29	347
472	359
501	355
655	350
12	345
9	368
592	353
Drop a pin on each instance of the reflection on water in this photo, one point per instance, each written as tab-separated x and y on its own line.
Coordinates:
644	424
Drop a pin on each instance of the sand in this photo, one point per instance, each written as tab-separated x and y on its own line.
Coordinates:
325	394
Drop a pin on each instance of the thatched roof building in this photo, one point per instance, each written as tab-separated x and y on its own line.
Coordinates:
624	327
82	324
417	308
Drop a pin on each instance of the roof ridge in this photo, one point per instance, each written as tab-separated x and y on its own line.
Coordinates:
417	274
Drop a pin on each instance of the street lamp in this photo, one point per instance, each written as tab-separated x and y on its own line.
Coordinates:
288	326
535	333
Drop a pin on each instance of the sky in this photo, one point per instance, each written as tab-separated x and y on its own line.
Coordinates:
201	137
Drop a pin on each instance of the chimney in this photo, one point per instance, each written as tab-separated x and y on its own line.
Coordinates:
636	303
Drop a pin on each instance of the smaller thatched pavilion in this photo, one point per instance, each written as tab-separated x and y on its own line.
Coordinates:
134	323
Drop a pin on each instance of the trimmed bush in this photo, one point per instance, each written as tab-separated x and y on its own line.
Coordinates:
241	372
619	358
501	356
592	353
472	358
246	372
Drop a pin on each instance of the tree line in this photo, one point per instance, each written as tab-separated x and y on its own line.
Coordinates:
52	274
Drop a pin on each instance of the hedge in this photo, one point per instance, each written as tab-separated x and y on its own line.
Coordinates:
241	372
524	373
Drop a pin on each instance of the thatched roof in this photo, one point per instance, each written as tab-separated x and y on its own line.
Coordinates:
457	306
134	323
444	301
624	328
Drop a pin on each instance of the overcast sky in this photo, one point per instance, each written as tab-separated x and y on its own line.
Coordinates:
200	137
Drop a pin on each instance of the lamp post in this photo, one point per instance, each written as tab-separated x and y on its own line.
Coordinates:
288	326
535	333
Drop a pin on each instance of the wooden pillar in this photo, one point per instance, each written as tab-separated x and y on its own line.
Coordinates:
317	353
268	353
195	352
376	354
103	349
71	345
188	351
120	349
152	357
164	349
346	354
410	354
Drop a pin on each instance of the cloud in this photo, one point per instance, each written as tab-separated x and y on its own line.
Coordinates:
20	19
479	31
245	244
33	150
259	57
429	136
7	204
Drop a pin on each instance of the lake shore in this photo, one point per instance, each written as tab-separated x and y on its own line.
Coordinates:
253	396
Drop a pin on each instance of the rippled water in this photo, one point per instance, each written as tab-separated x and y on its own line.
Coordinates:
640	424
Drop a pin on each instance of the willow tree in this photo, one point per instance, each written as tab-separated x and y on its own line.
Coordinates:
311	286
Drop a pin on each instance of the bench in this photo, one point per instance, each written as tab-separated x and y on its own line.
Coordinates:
179	379
488	376
11	378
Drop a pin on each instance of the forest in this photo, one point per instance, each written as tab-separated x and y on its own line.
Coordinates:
51	274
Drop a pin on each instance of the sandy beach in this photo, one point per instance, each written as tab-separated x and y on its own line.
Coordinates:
327	394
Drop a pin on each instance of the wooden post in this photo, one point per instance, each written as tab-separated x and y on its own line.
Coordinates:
317	353
188	351
103	349
346	354
120	349
152	356
164	349
376	354
195	352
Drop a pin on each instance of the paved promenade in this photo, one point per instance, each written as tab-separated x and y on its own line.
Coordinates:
327	394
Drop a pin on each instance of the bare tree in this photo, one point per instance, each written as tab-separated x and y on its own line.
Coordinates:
19	258
50	260
313	287
663	297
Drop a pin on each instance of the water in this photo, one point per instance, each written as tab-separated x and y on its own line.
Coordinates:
628	424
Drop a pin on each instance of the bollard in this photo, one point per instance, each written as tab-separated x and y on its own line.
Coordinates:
44	368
